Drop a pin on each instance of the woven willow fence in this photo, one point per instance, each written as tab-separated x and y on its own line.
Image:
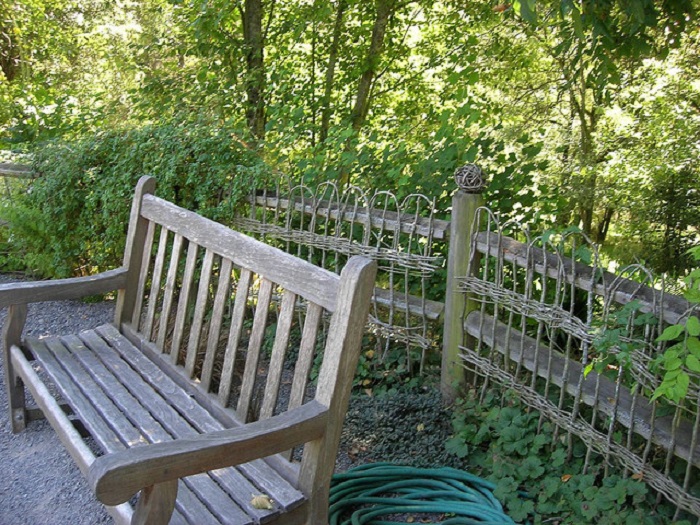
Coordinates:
577	343
326	227
538	315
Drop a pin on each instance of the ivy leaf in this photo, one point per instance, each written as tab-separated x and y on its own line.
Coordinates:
457	446
693	346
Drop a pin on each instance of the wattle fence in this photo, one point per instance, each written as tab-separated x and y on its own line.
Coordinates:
538	315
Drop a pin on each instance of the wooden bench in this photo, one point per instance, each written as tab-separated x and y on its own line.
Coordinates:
198	397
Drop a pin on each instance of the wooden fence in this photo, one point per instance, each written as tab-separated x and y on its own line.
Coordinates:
528	314
326	227
15	178
544	318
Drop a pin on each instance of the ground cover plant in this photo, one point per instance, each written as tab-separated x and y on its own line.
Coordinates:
504	442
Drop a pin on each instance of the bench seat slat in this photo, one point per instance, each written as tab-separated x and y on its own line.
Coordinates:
170	415
286	496
120	399
59	360
93	421
45	351
122	406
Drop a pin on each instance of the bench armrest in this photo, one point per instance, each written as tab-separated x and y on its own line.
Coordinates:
115	478
61	289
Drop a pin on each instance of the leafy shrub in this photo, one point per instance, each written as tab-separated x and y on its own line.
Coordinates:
504	442
73	218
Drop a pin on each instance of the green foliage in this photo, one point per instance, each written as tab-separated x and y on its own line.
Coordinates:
615	341
395	368
73	218
682	358
504	442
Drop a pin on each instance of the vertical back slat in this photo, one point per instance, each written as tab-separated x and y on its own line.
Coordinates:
143	277
155	282
183	301
279	350
199	311
170	285
257	335
234	336
217	317
133	252
306	355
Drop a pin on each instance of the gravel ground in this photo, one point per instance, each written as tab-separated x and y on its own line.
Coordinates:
39	483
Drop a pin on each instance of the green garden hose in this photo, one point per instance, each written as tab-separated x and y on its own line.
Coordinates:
365	494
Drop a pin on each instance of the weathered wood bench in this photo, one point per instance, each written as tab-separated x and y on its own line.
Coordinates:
198	396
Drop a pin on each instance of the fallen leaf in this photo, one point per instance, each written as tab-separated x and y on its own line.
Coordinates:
566	477
639	476
262	502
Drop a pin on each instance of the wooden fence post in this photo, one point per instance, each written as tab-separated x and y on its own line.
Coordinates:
465	204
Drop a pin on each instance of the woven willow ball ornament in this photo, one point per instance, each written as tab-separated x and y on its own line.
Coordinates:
470	179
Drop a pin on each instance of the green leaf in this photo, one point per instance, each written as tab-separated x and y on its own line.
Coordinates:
671	332
693	346
692	325
674	363
693	363
456	445
526	10
692	295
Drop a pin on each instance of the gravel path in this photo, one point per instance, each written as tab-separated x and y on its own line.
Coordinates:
39	483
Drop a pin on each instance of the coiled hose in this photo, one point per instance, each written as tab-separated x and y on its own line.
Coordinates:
365	494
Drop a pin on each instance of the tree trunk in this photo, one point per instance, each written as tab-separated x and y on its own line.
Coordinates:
9	49
385	8
255	81
604	225
359	112
330	72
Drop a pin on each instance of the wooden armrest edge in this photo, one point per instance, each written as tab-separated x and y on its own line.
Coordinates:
61	289
117	477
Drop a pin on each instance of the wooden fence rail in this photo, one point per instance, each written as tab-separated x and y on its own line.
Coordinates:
17	171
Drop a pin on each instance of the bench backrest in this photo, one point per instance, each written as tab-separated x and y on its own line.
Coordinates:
243	321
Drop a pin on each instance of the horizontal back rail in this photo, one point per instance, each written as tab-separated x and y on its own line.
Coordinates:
316	284
582	276
386	220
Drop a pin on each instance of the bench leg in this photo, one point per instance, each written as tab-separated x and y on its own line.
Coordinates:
156	504
12	334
